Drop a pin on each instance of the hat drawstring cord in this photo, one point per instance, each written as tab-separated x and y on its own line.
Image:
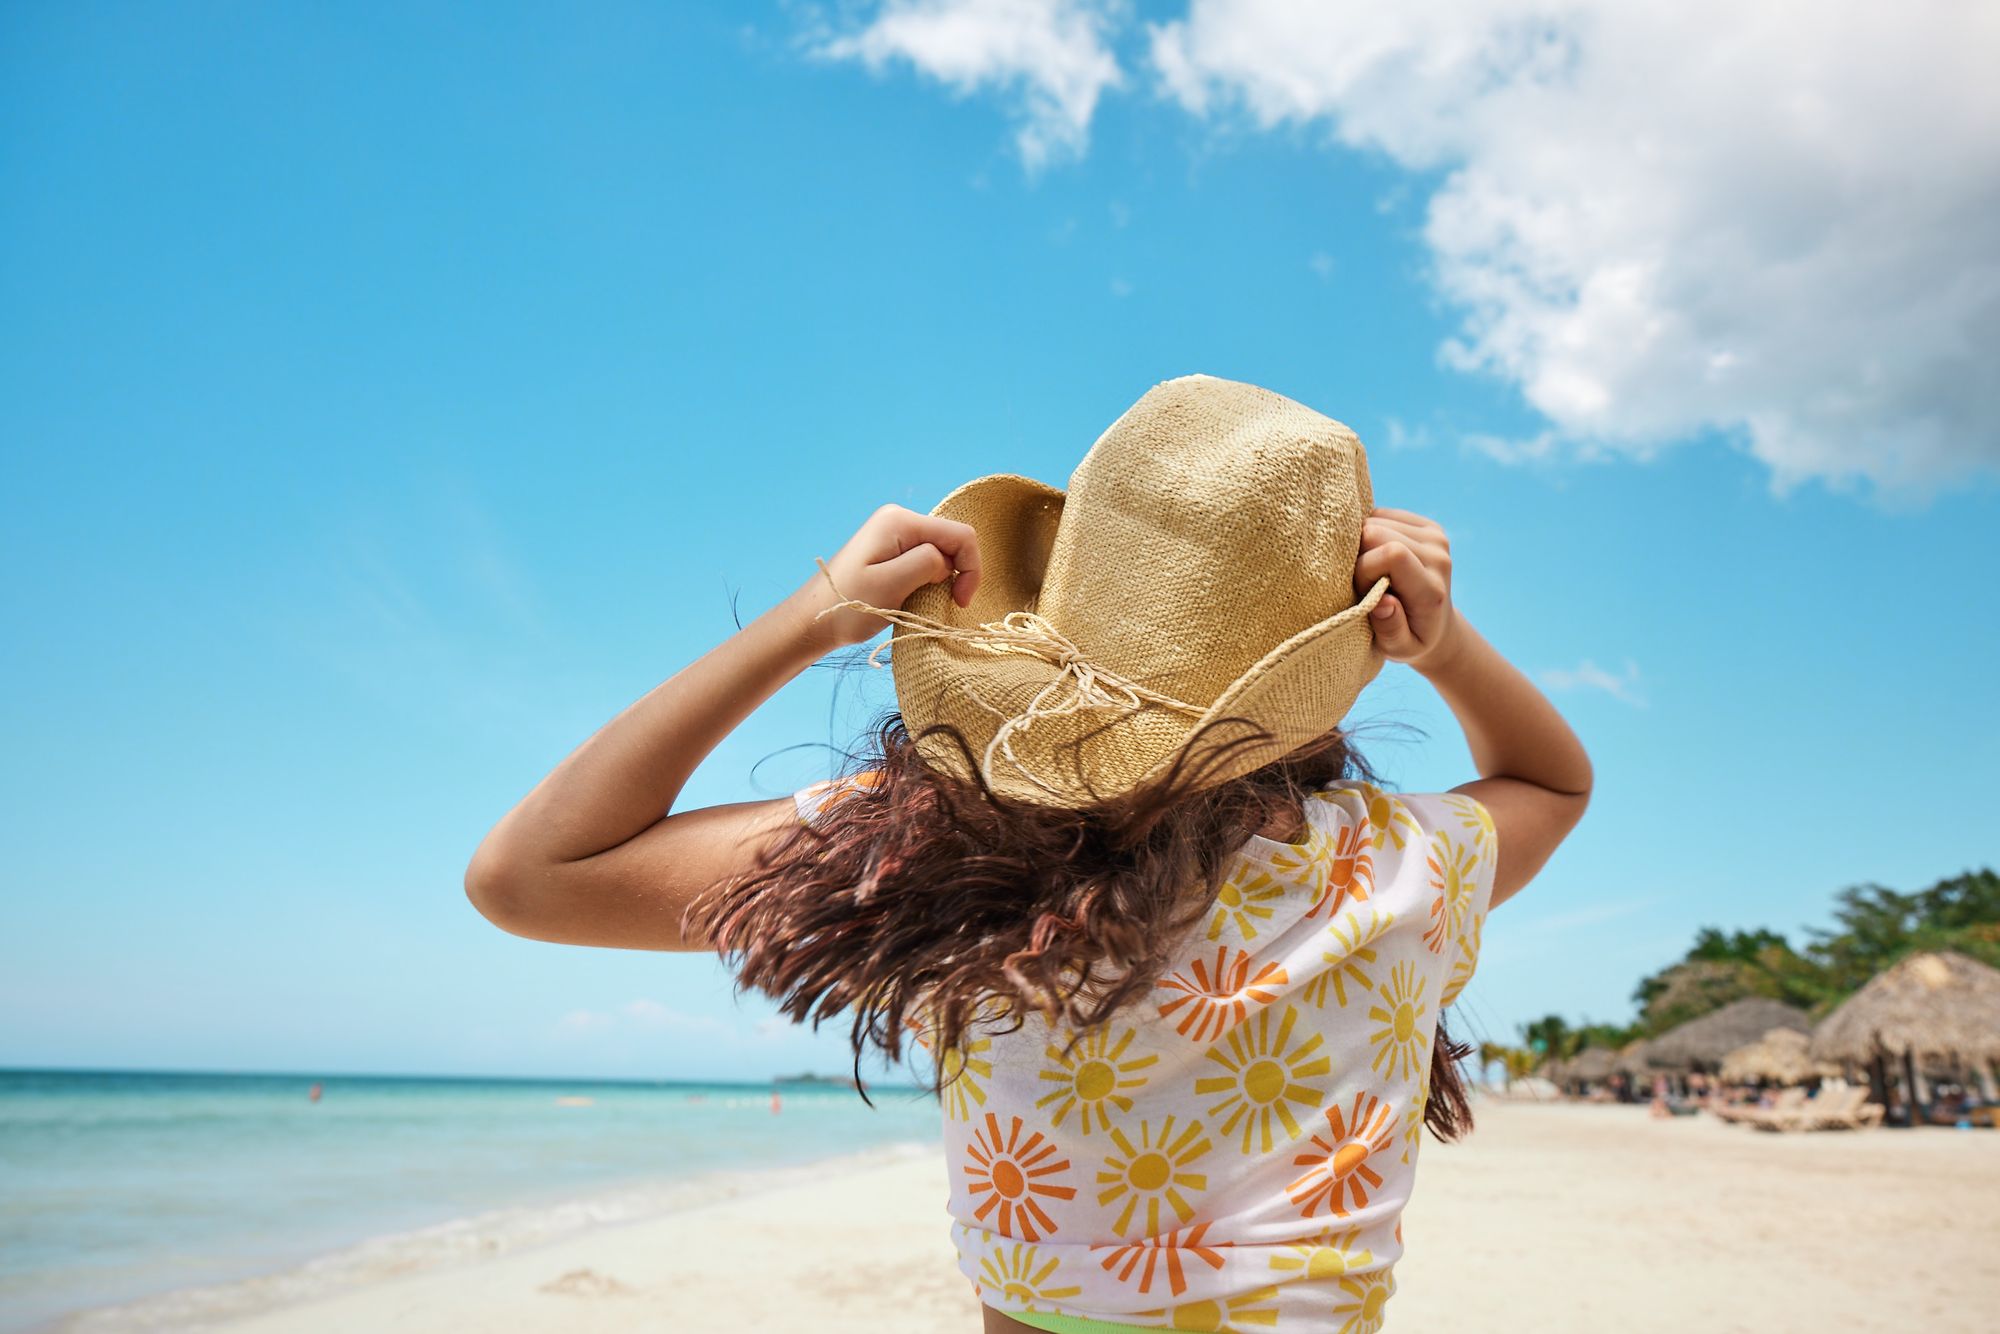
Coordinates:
1091	686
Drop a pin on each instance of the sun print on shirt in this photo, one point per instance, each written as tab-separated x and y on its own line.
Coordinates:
1338	1176
1246	899
1153	1172
1245	1310
1147	1258
1093	1077
1351	958
1453	868
1015	1173
1330	1254
1264	1073
1021	1275
1213	996
1402	1048
1362	1303
1350	871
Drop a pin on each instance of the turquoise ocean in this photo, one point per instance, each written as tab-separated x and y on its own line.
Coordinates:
156	1200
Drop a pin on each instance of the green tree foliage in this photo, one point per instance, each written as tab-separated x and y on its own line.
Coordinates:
1874	927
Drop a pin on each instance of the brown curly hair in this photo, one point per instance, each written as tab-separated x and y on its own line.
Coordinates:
919	893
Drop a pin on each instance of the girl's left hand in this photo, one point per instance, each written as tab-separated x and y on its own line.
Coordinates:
892	555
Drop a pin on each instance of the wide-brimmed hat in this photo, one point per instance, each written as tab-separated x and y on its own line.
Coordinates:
1200	567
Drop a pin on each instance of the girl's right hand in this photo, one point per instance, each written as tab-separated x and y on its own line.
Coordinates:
892	555
1414	620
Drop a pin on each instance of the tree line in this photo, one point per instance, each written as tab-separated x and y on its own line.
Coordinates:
1873	928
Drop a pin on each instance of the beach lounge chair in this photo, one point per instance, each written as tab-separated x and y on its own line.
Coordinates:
1833	1109
1786	1100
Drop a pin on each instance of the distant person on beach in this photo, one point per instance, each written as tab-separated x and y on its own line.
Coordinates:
1179	956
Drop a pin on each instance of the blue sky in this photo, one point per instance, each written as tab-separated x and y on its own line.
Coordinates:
387	400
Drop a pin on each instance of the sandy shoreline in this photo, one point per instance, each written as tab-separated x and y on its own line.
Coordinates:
1565	1218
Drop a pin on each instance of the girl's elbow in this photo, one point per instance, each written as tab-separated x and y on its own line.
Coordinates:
497	887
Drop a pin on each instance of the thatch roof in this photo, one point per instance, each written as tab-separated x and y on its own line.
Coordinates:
1592	1065
1779	1056
1936	1005
1705	1041
1631	1059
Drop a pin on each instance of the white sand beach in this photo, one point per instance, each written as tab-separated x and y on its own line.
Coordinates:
1551	1218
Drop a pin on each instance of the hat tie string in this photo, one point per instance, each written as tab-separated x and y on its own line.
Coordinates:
1088	685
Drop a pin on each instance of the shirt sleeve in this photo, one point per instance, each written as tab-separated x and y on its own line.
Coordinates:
814	799
1461	853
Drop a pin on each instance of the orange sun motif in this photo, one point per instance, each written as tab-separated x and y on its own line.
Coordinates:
1337	1163
1350	871
1009	1172
1401	1045
1352	959
1364	1297
1219	995
1245	899
1093	1076
1018	1274
1153	1171
1452	867
1144	1258
1263	1074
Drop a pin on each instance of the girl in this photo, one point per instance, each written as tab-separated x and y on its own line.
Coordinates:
1180	960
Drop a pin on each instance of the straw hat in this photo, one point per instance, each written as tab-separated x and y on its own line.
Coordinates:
1199	568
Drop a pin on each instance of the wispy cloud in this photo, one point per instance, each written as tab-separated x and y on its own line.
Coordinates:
1050	56
1658	223
1587	675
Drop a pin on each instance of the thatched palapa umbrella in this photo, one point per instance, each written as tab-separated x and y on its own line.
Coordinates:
1631	1059
1702	1043
1941	1006
1592	1065
1779	1056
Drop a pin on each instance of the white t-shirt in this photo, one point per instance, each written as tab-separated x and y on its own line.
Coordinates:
1237	1152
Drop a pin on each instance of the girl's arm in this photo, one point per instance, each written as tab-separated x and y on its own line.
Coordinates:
1535	778
595	854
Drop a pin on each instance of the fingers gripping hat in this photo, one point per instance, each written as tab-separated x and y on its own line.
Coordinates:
1199	570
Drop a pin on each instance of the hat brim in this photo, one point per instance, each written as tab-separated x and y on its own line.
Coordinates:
1294	694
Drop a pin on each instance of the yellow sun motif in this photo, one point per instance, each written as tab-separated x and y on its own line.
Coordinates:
962	1069
1476	821
1390	821
1350	960
1401	1045
1153	1171
1093	1076
1264	1076
1337	1168
1245	899
1019	1274
1363	1297
1144	1256
1239	1312
1452	867
1304	864
1214	997
1466	959
1413	1119
1328	1255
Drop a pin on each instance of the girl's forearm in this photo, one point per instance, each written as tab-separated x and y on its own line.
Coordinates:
626	777
1511	727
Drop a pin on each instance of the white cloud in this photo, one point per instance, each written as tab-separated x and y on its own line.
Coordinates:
1050	55
1587	675
1771	220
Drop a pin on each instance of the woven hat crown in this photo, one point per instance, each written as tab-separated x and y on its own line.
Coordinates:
1199	567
